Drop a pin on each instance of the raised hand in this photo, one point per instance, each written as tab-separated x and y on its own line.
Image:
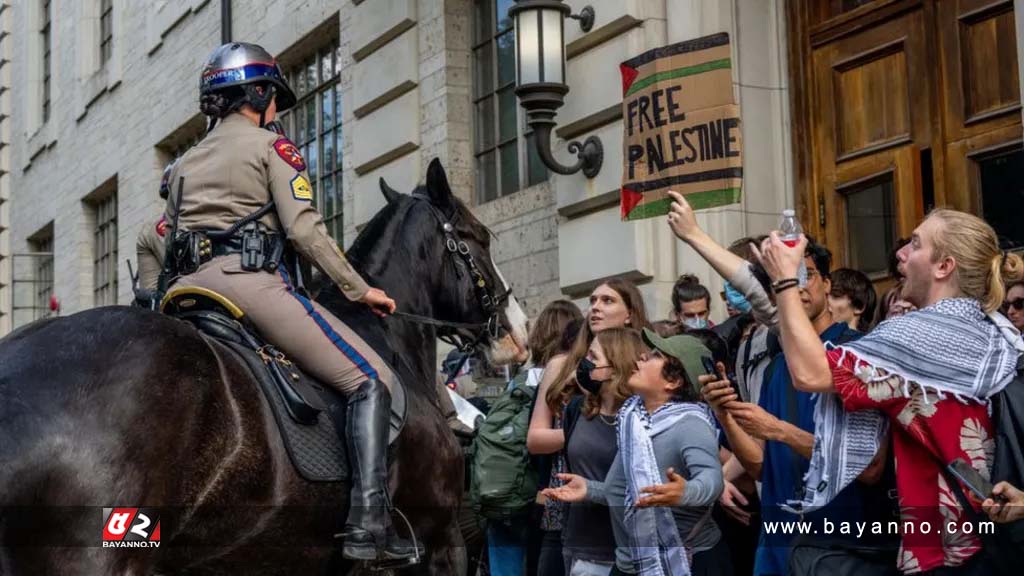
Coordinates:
681	218
717	390
780	261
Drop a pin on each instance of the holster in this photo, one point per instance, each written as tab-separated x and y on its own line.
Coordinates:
189	251
253	247
260	249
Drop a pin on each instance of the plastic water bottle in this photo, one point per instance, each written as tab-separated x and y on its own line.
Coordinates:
791	231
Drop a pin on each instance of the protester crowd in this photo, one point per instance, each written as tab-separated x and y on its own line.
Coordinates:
820	429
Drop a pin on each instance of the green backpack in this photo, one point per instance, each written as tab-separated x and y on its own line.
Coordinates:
503	482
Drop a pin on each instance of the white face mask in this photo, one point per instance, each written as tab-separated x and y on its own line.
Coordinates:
695	323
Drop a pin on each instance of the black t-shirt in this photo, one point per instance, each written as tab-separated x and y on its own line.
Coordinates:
590	451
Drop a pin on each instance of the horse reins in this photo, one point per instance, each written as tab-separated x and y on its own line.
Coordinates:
457	249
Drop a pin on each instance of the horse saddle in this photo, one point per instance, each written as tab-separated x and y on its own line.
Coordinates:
310	415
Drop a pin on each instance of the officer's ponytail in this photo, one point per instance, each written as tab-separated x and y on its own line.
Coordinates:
219	104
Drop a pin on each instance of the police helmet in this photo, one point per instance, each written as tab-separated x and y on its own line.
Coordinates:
247	66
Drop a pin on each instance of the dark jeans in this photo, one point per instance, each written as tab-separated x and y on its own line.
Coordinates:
714	562
551	562
534	539
741	540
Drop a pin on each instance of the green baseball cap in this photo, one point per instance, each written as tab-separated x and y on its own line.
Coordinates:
689	350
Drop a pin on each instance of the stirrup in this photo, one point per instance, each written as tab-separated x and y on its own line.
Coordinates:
382	564
386	565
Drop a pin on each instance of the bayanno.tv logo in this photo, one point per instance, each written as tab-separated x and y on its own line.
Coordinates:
131	528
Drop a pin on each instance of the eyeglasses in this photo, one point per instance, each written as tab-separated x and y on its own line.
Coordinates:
1017	304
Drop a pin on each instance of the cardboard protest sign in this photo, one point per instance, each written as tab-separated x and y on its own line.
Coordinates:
682	128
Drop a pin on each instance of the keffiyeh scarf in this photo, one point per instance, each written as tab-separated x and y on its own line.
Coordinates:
949	347
657	548
844	445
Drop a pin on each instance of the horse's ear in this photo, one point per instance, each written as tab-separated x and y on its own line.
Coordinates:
390	194
437	185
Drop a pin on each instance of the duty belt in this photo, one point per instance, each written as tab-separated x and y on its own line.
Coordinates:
227	247
258	249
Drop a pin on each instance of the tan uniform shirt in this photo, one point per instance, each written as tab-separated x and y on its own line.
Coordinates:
237	169
149	250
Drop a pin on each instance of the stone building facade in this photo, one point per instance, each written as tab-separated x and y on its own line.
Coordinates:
103	93
5	177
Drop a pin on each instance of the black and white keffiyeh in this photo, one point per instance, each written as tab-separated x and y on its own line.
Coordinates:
844	445
655	544
950	347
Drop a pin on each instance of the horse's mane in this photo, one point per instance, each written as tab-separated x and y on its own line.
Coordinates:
374	230
367	239
372	247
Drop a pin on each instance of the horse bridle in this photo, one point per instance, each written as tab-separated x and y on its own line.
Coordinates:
488	301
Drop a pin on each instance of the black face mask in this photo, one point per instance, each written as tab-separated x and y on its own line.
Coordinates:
583	371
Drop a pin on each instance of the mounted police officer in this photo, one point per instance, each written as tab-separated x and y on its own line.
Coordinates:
244	197
150	250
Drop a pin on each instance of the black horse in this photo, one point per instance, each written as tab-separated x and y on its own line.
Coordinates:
120	406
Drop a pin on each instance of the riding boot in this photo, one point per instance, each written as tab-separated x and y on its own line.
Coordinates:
369	534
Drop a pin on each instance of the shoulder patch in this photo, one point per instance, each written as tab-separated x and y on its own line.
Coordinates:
161	226
290	153
301	189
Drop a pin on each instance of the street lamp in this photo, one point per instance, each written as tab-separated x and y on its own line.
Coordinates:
540	78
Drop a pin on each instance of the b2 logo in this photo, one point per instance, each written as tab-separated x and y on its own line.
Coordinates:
131	528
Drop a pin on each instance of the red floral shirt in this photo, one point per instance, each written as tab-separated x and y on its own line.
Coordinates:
924	425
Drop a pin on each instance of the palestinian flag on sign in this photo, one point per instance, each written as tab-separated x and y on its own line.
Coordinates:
681	128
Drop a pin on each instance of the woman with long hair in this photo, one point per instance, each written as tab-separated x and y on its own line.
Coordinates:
590	448
615	303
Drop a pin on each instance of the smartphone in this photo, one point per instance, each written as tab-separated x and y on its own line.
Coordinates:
709	366
711	370
970	478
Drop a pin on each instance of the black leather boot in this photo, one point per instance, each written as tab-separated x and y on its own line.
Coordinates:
369	534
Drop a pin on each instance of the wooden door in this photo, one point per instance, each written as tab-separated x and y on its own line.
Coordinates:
876	199
982	113
871	117
900	106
